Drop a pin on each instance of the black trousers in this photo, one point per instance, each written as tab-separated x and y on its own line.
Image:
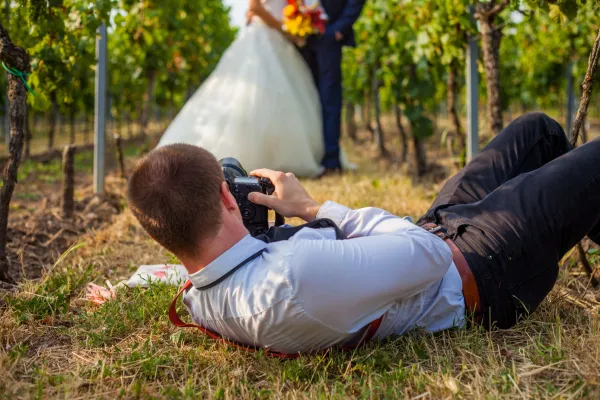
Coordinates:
517	208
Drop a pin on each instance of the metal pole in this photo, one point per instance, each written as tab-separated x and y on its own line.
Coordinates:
109	118
100	111
6	106
570	98
472	97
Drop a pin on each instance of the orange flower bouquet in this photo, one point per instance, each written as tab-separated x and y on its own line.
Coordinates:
301	21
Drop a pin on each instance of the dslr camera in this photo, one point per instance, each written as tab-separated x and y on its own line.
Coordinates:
255	216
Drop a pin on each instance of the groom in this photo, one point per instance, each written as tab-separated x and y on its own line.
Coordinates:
324	57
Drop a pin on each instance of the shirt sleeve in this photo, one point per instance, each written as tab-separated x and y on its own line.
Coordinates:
368	221
346	284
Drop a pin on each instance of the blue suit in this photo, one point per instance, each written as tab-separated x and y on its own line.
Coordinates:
324	57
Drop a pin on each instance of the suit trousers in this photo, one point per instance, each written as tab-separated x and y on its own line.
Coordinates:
515	210
324	58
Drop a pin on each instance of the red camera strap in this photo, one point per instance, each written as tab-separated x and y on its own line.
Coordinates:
175	320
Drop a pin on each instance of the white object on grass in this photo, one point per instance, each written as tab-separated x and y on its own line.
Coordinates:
171	274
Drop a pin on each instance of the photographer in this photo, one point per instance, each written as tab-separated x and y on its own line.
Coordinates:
488	247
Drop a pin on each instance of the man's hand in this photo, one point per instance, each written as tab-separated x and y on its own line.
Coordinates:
290	199
338	36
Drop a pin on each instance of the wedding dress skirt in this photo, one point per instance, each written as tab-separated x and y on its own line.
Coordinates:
260	105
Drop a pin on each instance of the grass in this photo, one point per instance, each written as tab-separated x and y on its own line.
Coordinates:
55	345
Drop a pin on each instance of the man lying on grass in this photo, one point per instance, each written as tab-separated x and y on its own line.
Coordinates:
488	247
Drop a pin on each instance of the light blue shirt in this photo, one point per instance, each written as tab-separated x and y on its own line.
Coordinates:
312	291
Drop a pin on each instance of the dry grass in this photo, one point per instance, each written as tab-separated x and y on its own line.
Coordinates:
54	345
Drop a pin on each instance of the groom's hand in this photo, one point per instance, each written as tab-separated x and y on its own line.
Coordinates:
290	199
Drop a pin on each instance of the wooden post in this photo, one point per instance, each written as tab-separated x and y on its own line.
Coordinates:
120	158
68	181
17	58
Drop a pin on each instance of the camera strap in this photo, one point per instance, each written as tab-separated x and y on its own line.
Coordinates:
279	233
274	234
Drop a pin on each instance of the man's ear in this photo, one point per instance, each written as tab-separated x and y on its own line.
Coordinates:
227	198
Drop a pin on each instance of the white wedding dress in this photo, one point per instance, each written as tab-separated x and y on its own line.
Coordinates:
260	105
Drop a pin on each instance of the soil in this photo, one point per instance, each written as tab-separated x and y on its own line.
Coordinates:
37	240
37	232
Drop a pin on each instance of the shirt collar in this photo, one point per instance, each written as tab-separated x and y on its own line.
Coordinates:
227	261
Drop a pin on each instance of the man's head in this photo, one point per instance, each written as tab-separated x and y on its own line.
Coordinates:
179	196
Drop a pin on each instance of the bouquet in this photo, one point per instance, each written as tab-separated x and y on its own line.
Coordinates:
301	21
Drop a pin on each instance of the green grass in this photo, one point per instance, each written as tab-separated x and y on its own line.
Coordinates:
127	349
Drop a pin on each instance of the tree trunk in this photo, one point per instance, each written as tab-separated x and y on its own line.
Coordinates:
420	155
367	114
378	127
68	181
73	126
401	131
490	39
451	105
52	121
350	121
14	57
147	103
27	151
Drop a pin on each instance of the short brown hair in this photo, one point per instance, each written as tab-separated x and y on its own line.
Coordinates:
174	193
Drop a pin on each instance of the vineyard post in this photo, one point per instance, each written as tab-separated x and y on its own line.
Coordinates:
100	111
68	181
120	157
472	97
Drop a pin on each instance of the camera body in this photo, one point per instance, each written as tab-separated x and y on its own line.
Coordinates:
255	216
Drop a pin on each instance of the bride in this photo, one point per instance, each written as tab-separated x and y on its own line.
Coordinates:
260	104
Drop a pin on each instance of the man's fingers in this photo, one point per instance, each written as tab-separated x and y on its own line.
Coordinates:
274	176
262	199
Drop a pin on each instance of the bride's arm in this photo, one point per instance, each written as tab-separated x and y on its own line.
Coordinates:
256	8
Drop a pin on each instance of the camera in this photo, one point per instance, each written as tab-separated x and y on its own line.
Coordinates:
255	216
